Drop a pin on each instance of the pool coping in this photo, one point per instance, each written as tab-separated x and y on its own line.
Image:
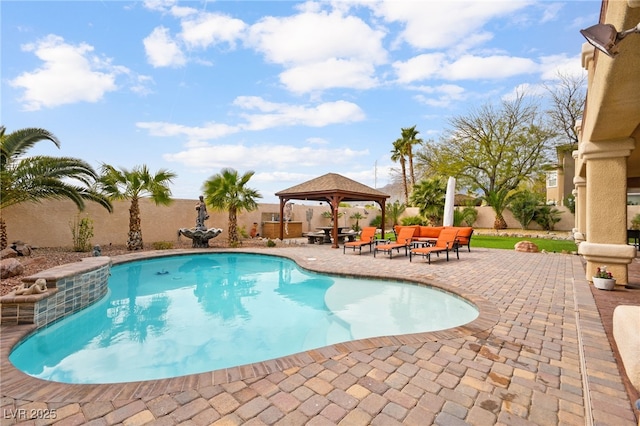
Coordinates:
19	385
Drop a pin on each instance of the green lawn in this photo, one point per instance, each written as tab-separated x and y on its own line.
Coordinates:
554	246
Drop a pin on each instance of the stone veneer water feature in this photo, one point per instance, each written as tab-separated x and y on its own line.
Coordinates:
70	288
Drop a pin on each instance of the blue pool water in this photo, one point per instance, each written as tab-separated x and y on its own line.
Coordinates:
180	315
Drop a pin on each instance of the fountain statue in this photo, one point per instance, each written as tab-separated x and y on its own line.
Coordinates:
200	235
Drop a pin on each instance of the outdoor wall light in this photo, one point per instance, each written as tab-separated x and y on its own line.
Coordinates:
605	37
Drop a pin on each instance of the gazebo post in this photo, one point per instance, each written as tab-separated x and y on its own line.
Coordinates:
282	203
383	208
335	204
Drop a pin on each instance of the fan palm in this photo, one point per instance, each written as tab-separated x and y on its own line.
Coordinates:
41	177
429	196
410	138
132	185
398	154
228	191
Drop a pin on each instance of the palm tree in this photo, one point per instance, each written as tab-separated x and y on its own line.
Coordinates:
394	211
429	195
228	191
398	154
131	185
410	138
41	177
403	152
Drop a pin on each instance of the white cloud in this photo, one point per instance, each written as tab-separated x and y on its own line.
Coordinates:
469	67
194	134
331	73
70	74
565	65
272	114
420	67
439	96
268	115
320	50
532	90
442	24
207	29
466	67
262	157
315	37
162	50
550	12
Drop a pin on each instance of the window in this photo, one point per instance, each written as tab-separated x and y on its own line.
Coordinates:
552	179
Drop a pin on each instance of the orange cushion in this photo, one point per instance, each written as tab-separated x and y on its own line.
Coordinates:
430	231
464	233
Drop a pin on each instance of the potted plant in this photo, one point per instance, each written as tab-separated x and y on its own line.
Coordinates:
603	279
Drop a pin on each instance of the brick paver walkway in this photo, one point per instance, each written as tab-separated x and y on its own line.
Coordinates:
540	356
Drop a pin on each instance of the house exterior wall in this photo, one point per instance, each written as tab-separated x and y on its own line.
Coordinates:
607	161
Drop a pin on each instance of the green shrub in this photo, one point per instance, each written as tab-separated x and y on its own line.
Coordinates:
271	243
547	217
82	232
570	203
376	221
635	222
412	220
524	205
469	215
162	245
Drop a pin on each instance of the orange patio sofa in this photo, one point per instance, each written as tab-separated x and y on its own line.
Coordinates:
431	233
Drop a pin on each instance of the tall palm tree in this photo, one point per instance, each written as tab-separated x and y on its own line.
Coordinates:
398	154
410	138
41	177
131	185
228	191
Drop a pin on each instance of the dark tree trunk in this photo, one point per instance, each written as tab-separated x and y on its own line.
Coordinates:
134	242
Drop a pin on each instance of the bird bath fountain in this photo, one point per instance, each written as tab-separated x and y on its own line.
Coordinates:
200	235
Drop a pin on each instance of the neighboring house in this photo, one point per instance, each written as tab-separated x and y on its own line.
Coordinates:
560	181
607	162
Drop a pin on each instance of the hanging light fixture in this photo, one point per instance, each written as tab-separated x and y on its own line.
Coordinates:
605	37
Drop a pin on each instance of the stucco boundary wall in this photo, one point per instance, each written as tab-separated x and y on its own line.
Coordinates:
48	224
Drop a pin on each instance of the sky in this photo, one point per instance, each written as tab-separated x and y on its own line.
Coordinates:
289	90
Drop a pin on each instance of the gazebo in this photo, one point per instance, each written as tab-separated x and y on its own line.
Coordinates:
334	189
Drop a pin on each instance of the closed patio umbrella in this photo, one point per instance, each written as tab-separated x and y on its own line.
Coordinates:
449	201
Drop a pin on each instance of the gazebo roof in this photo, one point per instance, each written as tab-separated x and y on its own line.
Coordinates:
332	184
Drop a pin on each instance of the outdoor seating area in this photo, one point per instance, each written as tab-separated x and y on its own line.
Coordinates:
403	241
367	239
446	242
415	241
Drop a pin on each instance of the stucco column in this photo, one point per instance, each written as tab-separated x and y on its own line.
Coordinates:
580	194
606	208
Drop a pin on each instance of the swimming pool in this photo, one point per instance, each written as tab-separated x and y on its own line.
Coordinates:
178	315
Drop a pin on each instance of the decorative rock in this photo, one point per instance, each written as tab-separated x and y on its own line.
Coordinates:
526	246
21	248
7	253
10	268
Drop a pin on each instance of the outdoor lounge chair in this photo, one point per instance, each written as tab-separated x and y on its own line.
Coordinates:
464	237
402	241
446	242
366	239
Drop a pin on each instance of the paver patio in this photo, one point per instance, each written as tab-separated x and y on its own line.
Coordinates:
538	354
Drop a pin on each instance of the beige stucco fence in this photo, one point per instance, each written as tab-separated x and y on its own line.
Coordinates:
47	224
